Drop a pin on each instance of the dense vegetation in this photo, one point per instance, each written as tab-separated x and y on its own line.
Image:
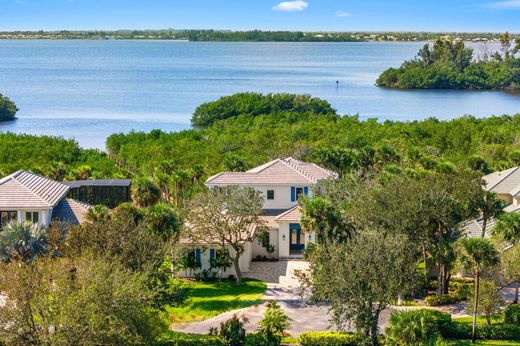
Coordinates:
450	65
8	108
342	143
252	35
54	157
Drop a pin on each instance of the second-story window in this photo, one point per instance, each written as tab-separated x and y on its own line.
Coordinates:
270	194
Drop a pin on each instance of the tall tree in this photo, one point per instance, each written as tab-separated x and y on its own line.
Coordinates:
145	192
507	227
227	217
489	206
476	254
362	276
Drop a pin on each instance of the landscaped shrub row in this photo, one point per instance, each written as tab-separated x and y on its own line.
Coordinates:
500	331
460	289
443	299
327	339
180	339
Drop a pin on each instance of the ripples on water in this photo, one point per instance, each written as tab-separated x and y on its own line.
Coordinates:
90	89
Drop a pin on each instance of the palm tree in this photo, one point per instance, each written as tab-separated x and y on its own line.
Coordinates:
22	241
145	192
488	206
477	254
508	228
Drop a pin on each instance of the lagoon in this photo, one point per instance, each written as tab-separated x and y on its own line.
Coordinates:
88	90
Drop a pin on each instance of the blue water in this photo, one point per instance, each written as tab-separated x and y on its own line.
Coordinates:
88	90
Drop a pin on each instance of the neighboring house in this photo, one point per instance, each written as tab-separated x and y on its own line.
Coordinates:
108	192
28	197
281	182
506	185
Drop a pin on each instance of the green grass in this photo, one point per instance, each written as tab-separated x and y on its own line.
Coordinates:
484	342
496	318
209	299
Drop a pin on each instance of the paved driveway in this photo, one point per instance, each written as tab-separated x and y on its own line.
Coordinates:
283	287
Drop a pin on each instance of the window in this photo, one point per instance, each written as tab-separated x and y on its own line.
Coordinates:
7	216
296	192
299	192
32	216
270	194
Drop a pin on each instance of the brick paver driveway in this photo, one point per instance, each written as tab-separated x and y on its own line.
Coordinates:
283	287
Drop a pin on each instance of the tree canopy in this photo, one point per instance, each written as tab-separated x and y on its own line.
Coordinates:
450	65
8	108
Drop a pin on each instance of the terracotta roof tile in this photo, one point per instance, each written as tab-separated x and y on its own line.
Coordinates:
277	172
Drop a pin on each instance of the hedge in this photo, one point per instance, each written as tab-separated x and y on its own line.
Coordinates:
181	339
327	339
499	331
512	315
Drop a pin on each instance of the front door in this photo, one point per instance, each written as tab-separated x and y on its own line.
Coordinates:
296	244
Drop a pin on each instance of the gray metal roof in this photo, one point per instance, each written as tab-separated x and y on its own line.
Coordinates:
98	182
70	211
24	189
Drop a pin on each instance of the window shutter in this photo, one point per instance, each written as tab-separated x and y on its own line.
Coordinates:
211	253
293	194
306	190
197	256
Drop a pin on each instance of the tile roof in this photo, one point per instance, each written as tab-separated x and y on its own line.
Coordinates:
293	214
70	211
98	182
277	172
24	189
504	182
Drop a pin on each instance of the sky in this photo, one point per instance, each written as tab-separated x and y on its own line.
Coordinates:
305	15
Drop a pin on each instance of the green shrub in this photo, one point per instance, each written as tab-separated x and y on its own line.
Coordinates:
512	315
327	339
262	339
500	331
233	331
417	327
181	339
443	299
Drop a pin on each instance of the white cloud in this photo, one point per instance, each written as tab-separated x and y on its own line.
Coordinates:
290	6
342	14
504	4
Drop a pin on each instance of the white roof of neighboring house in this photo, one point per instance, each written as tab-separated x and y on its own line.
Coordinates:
504	182
24	189
473	227
277	172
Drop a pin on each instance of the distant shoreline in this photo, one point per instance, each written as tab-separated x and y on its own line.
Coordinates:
248	36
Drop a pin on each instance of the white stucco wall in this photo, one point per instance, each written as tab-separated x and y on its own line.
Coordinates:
245	259
259	250
282	195
44	215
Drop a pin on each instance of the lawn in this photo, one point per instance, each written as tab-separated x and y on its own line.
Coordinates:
209	299
495	318
484	342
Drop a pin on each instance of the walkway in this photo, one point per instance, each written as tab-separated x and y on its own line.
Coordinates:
283	287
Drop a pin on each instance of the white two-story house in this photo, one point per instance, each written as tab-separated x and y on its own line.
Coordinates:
506	185
29	197
281	182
